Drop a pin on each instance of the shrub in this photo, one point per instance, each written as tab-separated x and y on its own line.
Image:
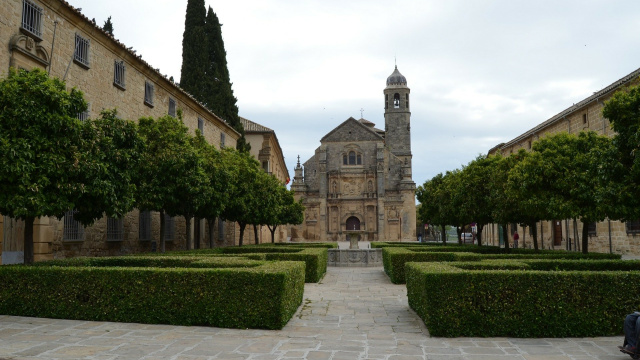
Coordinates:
504	298
394	258
257	295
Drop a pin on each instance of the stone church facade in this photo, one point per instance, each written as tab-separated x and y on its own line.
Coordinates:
360	177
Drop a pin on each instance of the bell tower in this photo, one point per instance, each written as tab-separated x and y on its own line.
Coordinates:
397	116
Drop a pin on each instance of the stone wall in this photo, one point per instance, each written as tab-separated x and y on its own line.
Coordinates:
96	81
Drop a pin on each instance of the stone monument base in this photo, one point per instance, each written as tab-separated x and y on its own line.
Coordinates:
355	258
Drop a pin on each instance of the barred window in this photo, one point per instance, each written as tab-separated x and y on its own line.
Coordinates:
81	55
633	227
118	74
172	107
84	116
593	230
32	18
222	136
169	228
115	229
72	229
201	125
148	93
145	226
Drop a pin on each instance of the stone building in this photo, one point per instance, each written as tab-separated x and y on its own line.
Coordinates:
52	35
360	177
585	115
265	148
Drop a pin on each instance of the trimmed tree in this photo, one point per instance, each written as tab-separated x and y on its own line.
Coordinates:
193	74
40	139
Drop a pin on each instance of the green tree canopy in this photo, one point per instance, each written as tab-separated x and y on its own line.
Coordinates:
108	26
40	138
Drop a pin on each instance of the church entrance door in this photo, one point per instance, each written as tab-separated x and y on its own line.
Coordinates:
353	223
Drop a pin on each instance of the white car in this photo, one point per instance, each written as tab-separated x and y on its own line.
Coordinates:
467	238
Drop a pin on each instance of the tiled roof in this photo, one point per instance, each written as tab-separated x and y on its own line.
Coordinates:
250	126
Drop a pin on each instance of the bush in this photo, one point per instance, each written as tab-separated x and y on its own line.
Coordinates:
394	258
257	294
315	258
520	299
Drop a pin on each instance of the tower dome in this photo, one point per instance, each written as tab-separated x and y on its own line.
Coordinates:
396	78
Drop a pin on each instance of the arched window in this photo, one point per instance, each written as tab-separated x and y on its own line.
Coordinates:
396	101
359	160
407	100
352	158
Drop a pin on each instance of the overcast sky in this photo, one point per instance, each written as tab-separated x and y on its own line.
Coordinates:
480	72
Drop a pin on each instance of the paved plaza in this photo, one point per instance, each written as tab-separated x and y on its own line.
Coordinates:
353	313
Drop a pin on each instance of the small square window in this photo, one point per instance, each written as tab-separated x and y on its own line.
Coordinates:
115	229
31	19
633	227
201	125
169	228
148	93
172	107
84	116
584	118
72	229
118	74
81	54
145	226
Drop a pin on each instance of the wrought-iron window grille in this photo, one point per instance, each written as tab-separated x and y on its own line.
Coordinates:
169	228
72	229
115	229
148	93
633	227
32	18
201	125
118	74
222	138
172	107
145	226
84	115
81	54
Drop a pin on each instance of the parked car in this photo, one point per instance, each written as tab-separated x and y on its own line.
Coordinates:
467	238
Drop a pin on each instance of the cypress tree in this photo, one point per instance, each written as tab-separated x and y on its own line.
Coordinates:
219	97
194	55
108	26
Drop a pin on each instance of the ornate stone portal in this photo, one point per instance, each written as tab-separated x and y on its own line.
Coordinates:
360	177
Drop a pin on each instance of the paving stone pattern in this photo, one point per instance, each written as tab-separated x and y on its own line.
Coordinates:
353	313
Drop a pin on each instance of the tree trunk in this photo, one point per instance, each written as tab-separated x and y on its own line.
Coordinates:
212	225
534	230
585	236
196	233
242	226
505	236
187	220
444	235
524	235
162	243
459	231
28	240
255	234
273	233
479	233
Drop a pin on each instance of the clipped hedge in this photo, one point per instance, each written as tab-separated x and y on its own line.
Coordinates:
315	258
520	299
262	295
394	258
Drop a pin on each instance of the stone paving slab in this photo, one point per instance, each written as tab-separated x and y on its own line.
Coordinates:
353	313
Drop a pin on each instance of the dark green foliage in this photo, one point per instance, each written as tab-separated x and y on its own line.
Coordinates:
395	258
502	301
232	297
315	258
108	26
193	74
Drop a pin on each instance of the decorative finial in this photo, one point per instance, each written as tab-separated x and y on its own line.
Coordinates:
361	111
298	160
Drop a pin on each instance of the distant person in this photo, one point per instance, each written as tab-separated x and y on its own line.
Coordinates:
631	335
516	237
419	237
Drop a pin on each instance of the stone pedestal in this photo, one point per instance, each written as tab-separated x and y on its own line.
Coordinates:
352	237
